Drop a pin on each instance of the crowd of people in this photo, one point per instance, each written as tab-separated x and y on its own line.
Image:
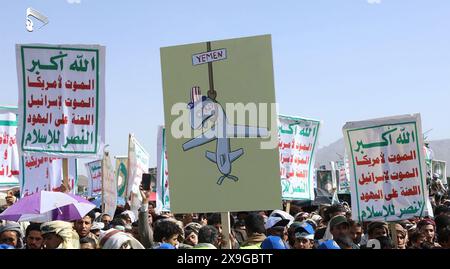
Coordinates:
307	227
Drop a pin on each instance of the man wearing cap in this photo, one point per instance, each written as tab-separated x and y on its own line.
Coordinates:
96	228
377	229
304	236
402	236
59	234
340	229
11	234
191	233
277	226
339	226
329	244
273	242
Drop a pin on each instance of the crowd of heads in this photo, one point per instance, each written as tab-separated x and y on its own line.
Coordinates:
307	227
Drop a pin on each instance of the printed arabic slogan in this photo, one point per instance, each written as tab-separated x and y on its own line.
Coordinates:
138	160
95	177
61	99
109	184
9	155
162	181
45	173
387	171
342	174
297	145
214	147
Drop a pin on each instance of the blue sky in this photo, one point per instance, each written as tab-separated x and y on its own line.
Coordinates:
334	60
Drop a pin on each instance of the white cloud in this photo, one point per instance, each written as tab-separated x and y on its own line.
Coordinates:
73	1
374	1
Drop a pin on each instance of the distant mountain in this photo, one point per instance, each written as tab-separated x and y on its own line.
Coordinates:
332	152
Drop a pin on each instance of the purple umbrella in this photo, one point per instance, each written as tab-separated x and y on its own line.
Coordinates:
47	206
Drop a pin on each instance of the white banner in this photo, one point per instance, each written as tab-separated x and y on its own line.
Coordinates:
297	147
387	171
162	178
109	195
138	160
343	173
9	155
61	99
42	173
94	170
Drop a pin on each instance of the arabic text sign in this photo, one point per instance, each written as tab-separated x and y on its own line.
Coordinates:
95	177
138	160
9	155
343	176
61	99
388	178
297	144
45	173
109	186
162	183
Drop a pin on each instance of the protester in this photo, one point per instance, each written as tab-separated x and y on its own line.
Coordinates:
327	214
115	239
273	242
166	231
83	226
356	232
441	210
442	221
145	221
277	226
166	246
344	242
402	236
191	231
128	216
416	239
239	231
208	238
444	237
254	225
11	234
304	236
59	234
377	229
385	242
33	237
96	228
106	219
428	227
87	243
329	244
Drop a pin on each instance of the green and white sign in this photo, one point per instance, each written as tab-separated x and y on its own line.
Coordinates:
387	168
297	146
61	99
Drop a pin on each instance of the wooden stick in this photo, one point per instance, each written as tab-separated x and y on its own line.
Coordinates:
65	168
226	229
288	206
103	181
